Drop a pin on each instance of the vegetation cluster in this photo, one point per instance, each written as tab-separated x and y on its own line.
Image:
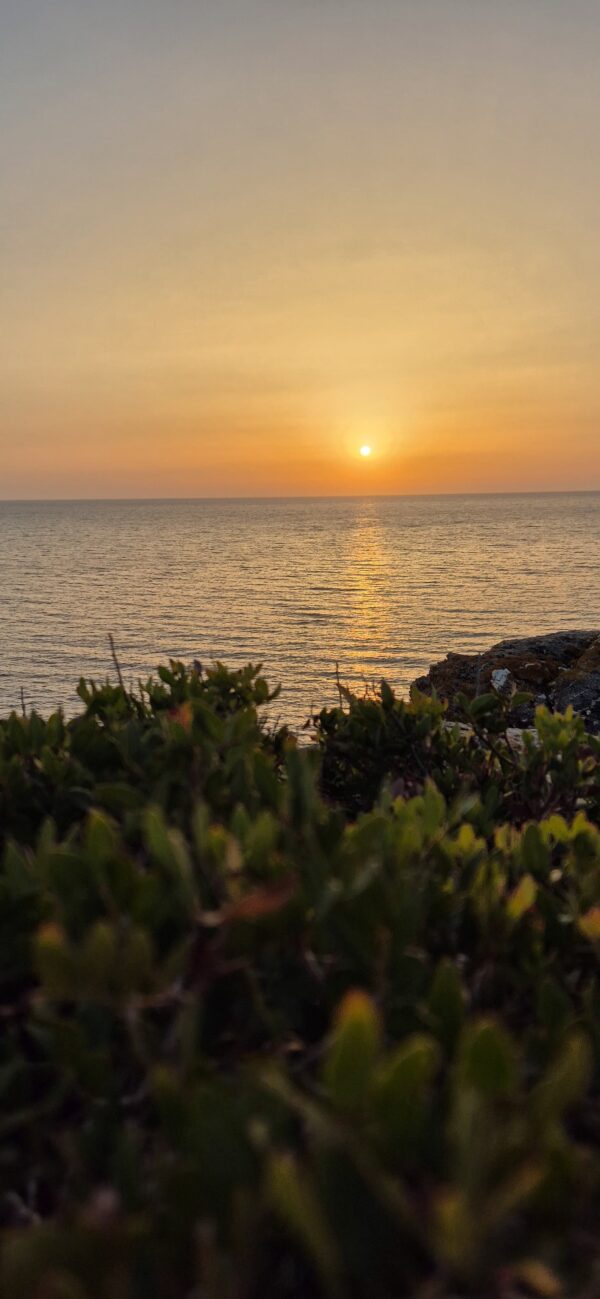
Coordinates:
297	1021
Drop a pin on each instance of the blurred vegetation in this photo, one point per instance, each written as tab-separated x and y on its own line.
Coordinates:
297	1021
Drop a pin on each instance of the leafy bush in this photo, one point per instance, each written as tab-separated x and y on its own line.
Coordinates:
318	1021
517	777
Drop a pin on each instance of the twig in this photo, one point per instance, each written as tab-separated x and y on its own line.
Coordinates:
506	763
116	661
23	705
478	677
339	684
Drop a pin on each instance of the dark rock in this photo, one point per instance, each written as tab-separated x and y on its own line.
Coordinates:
583	695
563	646
557	669
589	661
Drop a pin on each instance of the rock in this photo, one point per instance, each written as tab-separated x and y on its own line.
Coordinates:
557	669
563	646
582	693
503	683
590	659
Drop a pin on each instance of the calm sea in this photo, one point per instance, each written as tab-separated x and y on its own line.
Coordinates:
384	586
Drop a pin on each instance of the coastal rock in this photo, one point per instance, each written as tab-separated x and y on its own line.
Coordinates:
558	669
590	659
582	693
563	646
503	683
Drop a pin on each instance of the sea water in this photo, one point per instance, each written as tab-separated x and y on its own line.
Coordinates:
381	586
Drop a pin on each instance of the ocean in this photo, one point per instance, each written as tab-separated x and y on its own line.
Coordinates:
383	586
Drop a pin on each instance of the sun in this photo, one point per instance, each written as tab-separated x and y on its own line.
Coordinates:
365	451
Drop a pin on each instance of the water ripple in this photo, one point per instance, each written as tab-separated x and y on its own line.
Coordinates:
380	585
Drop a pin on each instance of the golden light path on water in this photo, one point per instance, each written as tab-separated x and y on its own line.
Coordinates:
380	585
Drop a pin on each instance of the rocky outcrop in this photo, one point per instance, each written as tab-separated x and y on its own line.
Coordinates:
559	669
583	694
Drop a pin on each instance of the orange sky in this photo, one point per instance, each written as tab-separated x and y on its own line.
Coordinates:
242	240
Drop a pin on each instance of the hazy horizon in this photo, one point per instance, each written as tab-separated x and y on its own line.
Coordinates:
288	496
243	240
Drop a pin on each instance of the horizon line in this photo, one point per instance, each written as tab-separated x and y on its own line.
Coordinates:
284	496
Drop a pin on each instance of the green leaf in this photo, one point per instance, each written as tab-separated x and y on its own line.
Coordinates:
521	698
488	703
401	1085
54	962
293	1199
567	1079
447	1004
352	1052
98	959
553	1005
535	853
100	838
487	1058
118	797
19	878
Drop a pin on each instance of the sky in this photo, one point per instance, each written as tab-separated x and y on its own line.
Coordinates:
240	239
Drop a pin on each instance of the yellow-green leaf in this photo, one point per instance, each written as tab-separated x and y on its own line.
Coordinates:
54	961
567	1079
353	1051
589	924
522	897
293	1199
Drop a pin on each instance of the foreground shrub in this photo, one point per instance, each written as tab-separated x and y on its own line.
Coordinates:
379	738
270	1028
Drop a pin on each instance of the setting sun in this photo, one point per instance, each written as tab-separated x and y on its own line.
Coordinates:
365	451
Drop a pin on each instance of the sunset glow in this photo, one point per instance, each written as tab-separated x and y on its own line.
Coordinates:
237	232
365	451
